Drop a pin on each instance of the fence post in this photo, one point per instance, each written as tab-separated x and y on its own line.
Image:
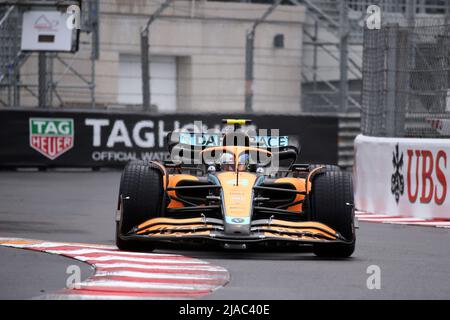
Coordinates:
249	46
145	71
391	79
42	69
145	52
403	80
343	47
373	82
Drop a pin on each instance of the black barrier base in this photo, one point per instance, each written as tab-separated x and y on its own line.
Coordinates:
46	138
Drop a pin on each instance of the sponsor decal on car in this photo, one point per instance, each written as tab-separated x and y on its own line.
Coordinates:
51	136
237	220
232	182
215	140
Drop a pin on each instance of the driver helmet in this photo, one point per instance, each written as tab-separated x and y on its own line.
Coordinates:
243	162
226	162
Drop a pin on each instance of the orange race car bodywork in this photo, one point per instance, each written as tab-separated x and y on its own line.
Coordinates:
235	208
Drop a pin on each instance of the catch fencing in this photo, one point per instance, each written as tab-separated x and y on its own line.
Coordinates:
406	82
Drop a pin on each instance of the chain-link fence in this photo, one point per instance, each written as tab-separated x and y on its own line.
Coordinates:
406	81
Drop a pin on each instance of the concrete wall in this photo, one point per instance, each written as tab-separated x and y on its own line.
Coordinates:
208	39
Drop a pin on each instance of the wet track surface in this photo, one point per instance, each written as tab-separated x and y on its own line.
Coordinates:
80	207
28	274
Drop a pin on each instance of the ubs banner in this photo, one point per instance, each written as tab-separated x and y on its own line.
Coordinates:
96	139
402	176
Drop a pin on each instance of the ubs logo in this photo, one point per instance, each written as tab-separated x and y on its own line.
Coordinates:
426	175
397	179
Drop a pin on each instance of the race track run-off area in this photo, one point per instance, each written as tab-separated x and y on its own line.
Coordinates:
72	216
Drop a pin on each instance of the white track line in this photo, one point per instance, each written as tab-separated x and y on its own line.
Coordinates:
48	245
98	296
142	285
394	219
438	224
374	216
147	275
151	267
77	252
367	217
144	260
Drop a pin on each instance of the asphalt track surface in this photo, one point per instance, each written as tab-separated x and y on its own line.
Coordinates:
80	207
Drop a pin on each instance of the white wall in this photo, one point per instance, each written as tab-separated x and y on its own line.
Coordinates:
423	176
163	85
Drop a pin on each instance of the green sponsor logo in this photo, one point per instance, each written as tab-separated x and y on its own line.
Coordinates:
51	136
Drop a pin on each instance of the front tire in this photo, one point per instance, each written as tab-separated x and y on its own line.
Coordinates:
140	199
332	205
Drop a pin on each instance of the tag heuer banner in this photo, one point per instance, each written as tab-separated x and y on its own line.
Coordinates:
51	136
96	139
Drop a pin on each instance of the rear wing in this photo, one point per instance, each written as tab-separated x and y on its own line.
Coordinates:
186	147
206	140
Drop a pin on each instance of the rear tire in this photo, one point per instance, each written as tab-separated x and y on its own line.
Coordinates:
140	199
328	167
332	205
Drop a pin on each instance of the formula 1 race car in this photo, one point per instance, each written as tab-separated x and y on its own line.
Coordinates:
234	196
